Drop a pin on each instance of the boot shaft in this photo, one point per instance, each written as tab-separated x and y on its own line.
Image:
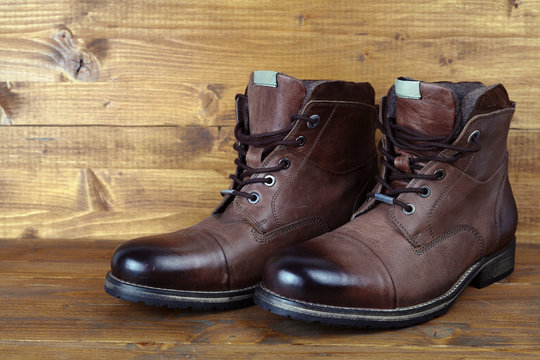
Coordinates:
328	160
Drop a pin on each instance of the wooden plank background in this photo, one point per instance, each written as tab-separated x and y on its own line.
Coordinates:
117	116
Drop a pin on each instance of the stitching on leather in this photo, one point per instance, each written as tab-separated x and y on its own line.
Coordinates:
480	240
454	231
189	293
302	163
444	195
380	260
360	198
243	211
353	169
447	294
497	212
236	201
265	238
224	257
498	200
281	149
400	226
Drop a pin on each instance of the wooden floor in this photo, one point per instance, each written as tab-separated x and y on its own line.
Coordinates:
52	305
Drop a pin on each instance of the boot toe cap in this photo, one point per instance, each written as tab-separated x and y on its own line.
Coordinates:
172	261
331	273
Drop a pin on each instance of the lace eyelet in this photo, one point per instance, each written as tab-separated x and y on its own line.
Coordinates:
409	209
285	163
316	118
441	174
271	180
254	198
301	140
427	191
473	135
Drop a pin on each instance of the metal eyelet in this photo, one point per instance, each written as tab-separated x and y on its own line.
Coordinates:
271	180
301	140
409	209
475	133
440	173
316	118
285	163
427	191
254	198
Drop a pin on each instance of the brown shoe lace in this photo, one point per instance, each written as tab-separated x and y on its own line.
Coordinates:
407	139
268	141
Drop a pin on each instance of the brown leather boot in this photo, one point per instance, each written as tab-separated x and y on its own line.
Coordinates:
306	159
441	217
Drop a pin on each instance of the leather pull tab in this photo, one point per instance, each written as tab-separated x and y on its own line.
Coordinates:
403	163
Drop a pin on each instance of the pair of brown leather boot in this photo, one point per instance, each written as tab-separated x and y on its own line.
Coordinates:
308	229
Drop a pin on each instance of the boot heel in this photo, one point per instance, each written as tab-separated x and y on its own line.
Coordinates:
498	267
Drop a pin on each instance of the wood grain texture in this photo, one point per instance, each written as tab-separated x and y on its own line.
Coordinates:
54	306
121	103
111	107
107	204
132	46
189	147
120	182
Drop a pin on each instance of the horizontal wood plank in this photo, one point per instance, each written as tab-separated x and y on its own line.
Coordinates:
110	204
189	147
150	103
183	48
164	350
94	181
344	17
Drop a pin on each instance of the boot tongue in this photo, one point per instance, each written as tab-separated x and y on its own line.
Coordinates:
272	99
426	108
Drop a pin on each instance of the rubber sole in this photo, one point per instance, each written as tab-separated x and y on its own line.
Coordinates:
481	274
179	299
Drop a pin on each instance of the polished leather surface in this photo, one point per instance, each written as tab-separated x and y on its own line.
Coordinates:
385	259
322	272
201	261
326	181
